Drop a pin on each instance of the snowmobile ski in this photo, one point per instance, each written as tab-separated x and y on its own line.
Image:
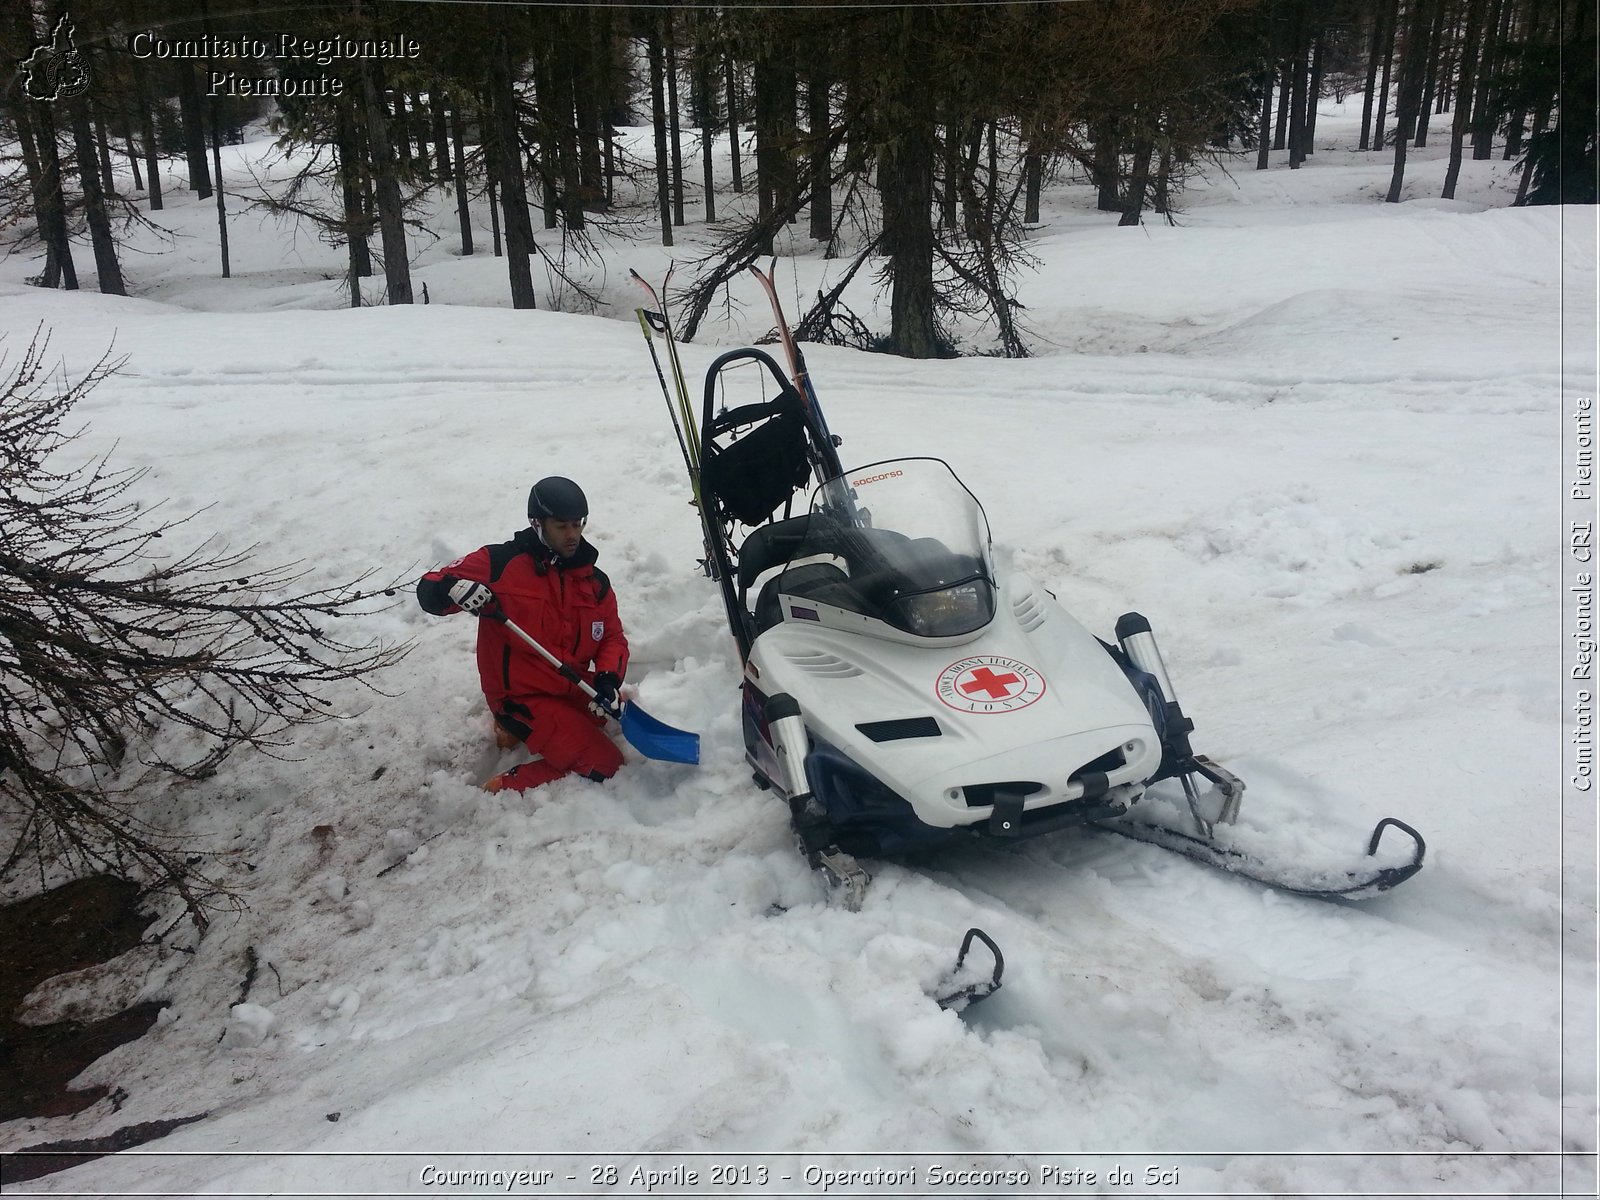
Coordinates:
1357	881
953	994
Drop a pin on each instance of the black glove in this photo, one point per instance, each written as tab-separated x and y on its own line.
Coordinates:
605	702
475	598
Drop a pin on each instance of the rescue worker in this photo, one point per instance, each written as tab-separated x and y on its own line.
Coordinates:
544	579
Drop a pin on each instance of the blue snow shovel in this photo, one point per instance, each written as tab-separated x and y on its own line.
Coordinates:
650	737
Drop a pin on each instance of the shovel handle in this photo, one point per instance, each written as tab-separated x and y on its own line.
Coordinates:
563	669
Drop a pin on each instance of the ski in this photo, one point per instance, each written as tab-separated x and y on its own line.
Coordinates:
685	405
1358	881
679	407
798	374
689	462
956	992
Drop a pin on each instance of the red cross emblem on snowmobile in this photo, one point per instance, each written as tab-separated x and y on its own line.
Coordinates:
989	683
997	687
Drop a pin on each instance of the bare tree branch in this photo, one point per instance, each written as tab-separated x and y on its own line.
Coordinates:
115	651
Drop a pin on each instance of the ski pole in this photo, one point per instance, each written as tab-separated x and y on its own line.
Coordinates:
683	422
677	427
684	404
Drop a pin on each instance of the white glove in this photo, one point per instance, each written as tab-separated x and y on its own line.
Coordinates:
607	700
475	598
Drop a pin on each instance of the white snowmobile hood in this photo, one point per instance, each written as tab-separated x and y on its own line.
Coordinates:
1034	698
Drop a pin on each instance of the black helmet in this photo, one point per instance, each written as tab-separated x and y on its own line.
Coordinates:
557	497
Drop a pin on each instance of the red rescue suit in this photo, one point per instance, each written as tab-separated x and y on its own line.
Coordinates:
567	605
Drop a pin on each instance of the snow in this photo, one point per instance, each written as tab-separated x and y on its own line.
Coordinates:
1314	437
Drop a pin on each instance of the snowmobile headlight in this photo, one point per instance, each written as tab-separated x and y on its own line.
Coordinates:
946	613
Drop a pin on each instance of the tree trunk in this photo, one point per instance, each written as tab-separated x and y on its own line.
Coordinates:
674	133
1516	126
1430	73
400	129
707	99
102	145
548	166
147	134
417	123
1313	94
1540	120
357	229
1107	163
1484	117
47	199
1032	186
441	134
1280	135
905	179
606	77
1464	85
94	205
125	132
459	173
658	120
506	148
1160	199
1448	51
391	221
494	210
949	166
1264	139
775	88
819	121
590	111
1297	100
731	77
216	153
1374	48
1391	30
1418	24
194	138
1138	180
565	115
965	181
216	165
53	209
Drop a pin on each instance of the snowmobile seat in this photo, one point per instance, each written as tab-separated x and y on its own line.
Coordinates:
822	582
770	546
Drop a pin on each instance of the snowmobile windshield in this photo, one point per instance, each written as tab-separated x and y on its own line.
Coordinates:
903	542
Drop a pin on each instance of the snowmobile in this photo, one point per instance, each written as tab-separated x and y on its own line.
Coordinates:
902	688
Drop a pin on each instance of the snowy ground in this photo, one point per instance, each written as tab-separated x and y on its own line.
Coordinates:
1314	437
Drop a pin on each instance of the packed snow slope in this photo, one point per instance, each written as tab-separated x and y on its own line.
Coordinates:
1314	437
